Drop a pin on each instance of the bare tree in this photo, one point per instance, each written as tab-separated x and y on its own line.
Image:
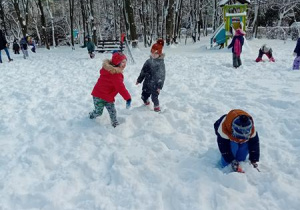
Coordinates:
23	22
285	7
52	23
71	7
169	21
93	27
2	16
132	26
44	26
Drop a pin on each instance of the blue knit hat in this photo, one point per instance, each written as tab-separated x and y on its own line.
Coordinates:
241	127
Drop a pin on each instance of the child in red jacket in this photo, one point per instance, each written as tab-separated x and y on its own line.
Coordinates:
109	84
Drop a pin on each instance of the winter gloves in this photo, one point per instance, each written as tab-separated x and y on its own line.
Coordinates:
128	103
235	165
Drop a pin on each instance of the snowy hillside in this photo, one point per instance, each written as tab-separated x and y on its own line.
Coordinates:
54	157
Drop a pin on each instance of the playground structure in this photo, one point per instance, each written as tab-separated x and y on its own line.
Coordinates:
234	17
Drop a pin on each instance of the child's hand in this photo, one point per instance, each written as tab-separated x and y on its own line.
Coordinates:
128	103
137	83
158	90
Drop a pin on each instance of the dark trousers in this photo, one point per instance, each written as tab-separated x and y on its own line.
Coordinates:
154	96
261	53
236	60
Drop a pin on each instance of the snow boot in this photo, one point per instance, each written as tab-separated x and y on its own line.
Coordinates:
157	109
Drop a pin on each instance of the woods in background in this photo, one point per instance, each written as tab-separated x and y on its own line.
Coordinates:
54	22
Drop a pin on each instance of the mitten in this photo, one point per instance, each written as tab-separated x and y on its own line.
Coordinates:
128	103
236	166
294	54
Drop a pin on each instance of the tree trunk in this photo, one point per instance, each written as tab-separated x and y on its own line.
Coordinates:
23	22
143	21
132	26
83	20
170	22
71	5
52	23
2	17
255	21
43	22
93	27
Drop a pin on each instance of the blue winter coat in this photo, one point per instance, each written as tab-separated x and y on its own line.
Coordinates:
297	48
225	147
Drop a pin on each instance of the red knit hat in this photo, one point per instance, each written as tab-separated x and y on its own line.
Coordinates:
158	46
117	58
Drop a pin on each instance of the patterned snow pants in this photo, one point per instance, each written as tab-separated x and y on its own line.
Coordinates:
99	106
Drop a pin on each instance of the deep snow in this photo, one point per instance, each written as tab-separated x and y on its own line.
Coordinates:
54	157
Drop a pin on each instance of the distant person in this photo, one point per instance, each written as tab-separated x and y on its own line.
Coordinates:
237	138
109	84
265	50
24	47
3	46
296	64
153	75
31	42
16	47
237	46
90	47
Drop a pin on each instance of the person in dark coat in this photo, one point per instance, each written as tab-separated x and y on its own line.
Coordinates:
237	46
3	46
237	138
296	65
16	47
24	47
265	50
153	74
109	84
90	47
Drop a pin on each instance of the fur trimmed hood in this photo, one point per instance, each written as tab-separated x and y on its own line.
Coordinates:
110	68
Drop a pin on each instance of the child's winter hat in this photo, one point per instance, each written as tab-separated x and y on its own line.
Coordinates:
117	58
241	127
158	46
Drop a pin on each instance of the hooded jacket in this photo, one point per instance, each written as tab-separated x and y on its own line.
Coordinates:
223	130
110	83
153	74
238	37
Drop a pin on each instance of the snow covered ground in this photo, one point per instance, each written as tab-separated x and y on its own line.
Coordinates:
54	157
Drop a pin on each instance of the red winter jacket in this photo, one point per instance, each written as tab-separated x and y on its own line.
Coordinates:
110	83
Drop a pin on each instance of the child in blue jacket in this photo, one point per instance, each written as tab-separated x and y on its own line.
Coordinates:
237	138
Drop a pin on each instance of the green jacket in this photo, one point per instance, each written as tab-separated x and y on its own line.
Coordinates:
90	46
